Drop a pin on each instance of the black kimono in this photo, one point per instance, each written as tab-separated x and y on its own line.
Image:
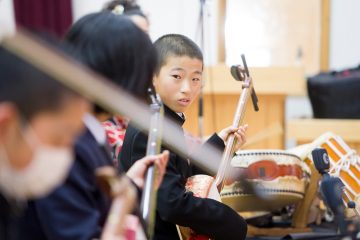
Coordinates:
78	208
10	211
175	205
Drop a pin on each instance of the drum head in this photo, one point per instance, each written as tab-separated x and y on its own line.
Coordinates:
269	203
253	215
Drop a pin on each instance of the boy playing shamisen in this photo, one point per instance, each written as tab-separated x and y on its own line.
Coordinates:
178	80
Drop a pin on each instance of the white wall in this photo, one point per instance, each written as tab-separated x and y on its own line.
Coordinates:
175	16
166	16
7	18
344	34
182	16
83	7
170	16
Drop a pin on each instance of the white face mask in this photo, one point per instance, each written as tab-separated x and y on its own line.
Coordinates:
47	170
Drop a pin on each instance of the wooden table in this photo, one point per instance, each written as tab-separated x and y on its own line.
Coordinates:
306	130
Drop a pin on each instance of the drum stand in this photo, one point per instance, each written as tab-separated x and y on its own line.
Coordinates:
301	214
302	211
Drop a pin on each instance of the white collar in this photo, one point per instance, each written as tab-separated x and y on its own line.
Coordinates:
182	115
95	128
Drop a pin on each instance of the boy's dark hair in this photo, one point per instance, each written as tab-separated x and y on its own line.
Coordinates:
175	45
28	88
113	46
130	7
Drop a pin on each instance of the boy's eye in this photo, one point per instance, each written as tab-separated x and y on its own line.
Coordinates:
176	76
196	79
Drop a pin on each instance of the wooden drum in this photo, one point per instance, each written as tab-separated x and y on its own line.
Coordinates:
276	179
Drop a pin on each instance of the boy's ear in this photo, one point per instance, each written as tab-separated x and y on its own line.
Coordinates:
154	80
8	114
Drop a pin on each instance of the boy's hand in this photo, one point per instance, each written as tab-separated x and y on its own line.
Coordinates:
239	134
138	170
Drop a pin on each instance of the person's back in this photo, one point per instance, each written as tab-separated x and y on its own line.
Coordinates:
178	80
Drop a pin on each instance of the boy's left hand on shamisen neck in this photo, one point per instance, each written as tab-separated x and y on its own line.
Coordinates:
240	134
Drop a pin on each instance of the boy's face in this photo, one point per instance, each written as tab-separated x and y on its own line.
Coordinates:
35	156
57	129
179	82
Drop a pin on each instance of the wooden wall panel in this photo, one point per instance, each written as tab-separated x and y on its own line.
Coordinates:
270	116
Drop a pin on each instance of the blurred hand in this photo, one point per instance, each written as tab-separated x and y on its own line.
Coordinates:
138	170
240	134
